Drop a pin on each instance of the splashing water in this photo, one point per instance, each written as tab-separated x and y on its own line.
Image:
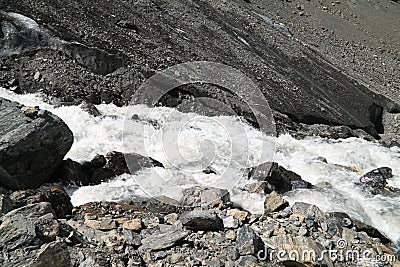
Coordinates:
227	145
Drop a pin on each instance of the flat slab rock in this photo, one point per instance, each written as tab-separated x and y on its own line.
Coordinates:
163	240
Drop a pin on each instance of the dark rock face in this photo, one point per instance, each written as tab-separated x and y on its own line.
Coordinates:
198	220
32	145
278	178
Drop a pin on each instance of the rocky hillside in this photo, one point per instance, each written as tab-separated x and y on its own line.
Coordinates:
316	62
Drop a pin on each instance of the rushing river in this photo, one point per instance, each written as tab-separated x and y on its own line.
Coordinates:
227	145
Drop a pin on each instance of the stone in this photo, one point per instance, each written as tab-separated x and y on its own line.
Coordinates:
19	227
177	257
104	224
230	234
274	202
102	168
55	195
201	220
26	145
129	163
15	232
134	224
163	240
230	222
248	242
6	204
71	172
237	214
278	178
90	108
205	196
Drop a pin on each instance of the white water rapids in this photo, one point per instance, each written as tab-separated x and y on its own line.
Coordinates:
226	144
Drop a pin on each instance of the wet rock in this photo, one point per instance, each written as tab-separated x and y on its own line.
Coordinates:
55	195
201	220
274	202
71	172
26	145
163	240
134	162
90	108
205	196
371	231
248	242
102	168
278	178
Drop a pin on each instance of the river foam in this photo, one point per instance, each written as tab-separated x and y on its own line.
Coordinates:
227	145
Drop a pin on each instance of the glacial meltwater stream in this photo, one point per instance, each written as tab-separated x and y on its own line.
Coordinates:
227	145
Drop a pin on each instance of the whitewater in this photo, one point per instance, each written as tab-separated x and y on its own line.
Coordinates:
186	144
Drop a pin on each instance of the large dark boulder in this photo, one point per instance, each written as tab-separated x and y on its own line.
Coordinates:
33	143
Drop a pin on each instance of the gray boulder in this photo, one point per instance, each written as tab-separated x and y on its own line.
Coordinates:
33	143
